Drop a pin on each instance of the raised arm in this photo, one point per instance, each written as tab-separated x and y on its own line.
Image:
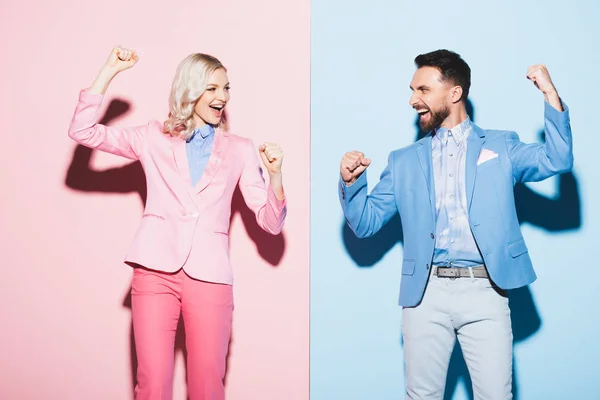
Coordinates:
365	213
85	129
267	202
538	161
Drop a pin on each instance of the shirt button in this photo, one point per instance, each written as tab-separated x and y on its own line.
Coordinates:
451	154
451	175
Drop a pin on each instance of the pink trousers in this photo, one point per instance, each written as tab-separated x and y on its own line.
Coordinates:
157	301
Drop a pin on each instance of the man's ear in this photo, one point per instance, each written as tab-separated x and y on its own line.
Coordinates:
456	94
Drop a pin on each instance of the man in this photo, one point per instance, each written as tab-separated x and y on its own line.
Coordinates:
463	247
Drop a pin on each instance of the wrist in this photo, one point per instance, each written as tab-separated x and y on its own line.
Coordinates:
553	99
550	93
102	81
276	183
108	72
349	181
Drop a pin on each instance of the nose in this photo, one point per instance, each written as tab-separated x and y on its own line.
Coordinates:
412	101
222	95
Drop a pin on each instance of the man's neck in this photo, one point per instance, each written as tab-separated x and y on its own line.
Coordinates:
455	118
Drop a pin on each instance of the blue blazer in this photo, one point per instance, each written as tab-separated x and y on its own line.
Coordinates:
407	186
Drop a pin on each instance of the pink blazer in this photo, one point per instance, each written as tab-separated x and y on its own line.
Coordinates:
182	225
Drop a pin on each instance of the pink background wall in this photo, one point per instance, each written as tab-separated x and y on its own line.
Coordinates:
67	216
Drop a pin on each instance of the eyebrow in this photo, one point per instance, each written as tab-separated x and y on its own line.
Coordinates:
419	88
216	85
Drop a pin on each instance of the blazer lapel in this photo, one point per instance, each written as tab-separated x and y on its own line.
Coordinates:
424	154
474	144
217	156
181	162
180	155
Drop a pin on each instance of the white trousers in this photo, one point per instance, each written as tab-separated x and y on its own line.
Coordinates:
476	312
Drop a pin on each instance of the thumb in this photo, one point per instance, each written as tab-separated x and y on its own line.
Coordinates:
114	54
262	148
263	156
358	171
365	162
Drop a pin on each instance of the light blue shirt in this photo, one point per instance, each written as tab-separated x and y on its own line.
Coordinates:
198	148
454	245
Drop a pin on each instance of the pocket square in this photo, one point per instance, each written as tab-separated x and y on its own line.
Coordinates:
486	155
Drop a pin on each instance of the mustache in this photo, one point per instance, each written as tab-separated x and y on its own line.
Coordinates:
421	106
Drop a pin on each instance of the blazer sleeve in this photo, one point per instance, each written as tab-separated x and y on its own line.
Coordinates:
367	213
261	199
85	130
537	161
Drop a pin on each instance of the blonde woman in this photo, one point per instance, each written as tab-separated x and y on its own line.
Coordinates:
180	252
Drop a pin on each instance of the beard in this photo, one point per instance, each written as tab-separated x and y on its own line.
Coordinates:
436	119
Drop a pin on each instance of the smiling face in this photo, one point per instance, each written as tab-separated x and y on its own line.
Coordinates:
210	106
431	98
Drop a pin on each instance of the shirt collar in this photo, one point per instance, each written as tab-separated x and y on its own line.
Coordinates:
204	131
459	132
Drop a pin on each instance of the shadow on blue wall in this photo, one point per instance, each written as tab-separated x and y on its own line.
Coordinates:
559	214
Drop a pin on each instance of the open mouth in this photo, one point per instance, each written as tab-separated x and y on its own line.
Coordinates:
217	109
423	113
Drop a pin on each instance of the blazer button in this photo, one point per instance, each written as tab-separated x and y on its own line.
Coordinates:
432	235
426	266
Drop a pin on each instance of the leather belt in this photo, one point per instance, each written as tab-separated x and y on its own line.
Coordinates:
460	272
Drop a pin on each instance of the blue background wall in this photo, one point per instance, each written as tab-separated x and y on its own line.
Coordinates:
362	63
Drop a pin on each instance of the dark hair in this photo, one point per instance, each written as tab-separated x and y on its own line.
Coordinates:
452	67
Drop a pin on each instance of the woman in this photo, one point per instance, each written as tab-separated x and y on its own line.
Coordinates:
180	253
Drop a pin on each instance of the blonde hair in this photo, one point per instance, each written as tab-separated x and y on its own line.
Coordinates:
189	84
